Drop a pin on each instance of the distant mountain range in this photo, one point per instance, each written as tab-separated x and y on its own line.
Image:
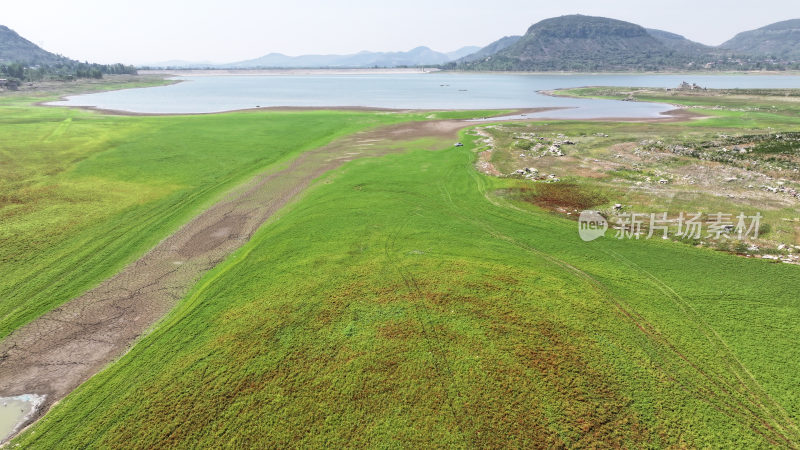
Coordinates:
585	43
420	56
573	43
568	43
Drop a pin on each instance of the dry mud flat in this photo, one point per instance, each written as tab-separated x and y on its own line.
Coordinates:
57	352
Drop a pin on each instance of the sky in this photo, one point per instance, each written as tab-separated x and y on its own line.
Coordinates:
151	31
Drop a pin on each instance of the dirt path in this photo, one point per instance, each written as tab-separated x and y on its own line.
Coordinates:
60	350
484	162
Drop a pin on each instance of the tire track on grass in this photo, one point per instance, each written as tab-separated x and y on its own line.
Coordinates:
432	339
731	404
746	379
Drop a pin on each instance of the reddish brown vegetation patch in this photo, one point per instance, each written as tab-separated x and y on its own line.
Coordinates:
561	197
400	330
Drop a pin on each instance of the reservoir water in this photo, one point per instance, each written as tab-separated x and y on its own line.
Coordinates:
14	411
444	90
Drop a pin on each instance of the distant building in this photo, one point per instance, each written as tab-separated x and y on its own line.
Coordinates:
11	85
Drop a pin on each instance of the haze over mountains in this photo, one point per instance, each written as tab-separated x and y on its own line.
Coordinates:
419	56
576	43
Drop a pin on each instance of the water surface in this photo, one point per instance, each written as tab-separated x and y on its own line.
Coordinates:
208	94
14	411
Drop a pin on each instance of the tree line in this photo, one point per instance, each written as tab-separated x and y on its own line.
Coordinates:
17	72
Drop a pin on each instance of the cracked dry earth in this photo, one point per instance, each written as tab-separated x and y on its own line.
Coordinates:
57	352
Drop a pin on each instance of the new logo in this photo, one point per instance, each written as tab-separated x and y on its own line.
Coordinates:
591	225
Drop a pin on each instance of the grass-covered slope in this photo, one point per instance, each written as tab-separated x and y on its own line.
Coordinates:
81	195
407	300
735	109
15	48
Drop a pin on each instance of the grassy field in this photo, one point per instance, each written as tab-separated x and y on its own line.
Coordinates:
82	194
728	108
405	300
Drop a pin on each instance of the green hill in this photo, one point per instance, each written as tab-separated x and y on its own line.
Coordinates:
22	60
16	49
780	40
583	43
579	43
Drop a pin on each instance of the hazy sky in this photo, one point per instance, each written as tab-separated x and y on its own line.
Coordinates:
142	31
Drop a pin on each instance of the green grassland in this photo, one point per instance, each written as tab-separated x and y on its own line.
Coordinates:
727	108
83	194
406	300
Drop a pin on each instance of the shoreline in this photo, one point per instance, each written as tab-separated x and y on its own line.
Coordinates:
116	112
283	72
673	115
793	73
432	70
